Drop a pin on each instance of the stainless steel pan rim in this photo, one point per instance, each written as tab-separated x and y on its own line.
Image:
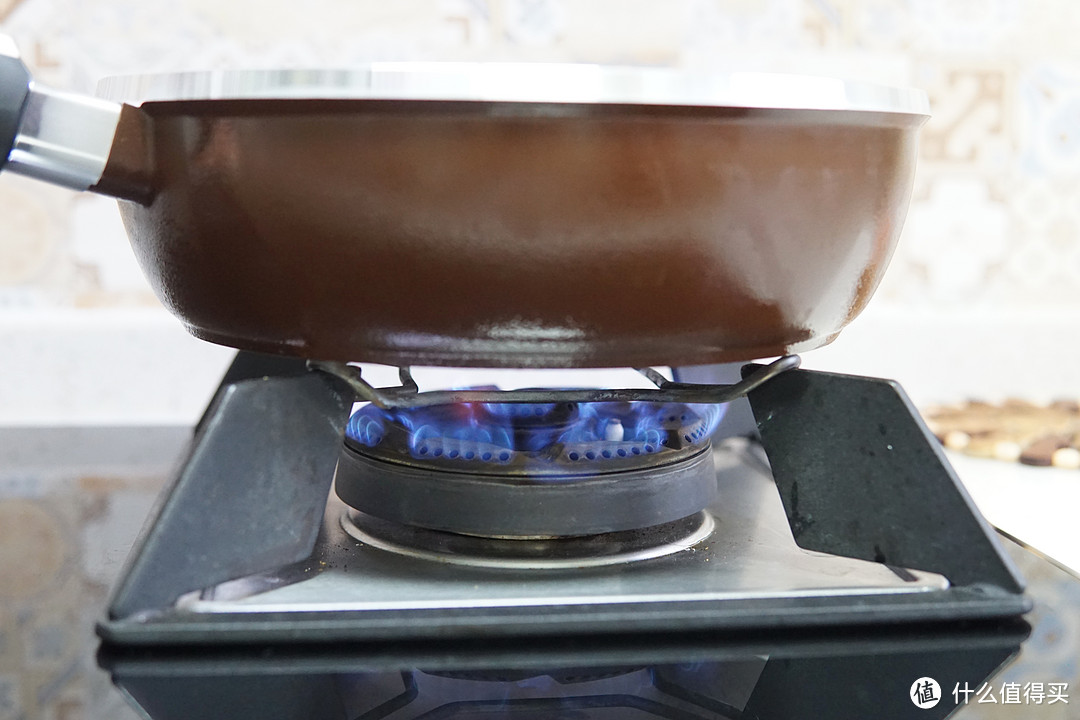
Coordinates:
521	82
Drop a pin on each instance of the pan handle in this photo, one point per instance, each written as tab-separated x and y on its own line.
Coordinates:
14	92
57	137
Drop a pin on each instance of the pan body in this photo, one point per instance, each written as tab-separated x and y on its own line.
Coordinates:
519	234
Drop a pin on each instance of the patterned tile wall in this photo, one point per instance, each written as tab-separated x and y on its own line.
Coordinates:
995	218
71	504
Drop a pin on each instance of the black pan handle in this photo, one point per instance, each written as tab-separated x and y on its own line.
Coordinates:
14	95
58	137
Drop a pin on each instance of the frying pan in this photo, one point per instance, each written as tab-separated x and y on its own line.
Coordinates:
491	215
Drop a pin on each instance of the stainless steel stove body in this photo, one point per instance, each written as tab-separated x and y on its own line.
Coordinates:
870	527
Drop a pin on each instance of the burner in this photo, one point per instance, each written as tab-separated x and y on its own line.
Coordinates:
530	470
534	439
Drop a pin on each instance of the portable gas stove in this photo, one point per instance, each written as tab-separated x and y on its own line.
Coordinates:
484	514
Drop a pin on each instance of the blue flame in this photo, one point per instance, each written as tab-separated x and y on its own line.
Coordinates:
498	432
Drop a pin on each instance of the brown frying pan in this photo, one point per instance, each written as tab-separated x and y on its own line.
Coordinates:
493	215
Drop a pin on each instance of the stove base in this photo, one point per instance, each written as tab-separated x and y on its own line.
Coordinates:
748	574
858	475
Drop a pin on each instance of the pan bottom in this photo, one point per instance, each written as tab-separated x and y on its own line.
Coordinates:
664	351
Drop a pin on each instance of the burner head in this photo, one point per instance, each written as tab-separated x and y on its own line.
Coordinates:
537	470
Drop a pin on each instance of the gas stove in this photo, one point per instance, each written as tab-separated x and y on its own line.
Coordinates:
535	514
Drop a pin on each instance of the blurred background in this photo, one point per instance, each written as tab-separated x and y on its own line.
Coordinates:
982	298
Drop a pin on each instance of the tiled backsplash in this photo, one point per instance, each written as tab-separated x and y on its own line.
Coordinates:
995	219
